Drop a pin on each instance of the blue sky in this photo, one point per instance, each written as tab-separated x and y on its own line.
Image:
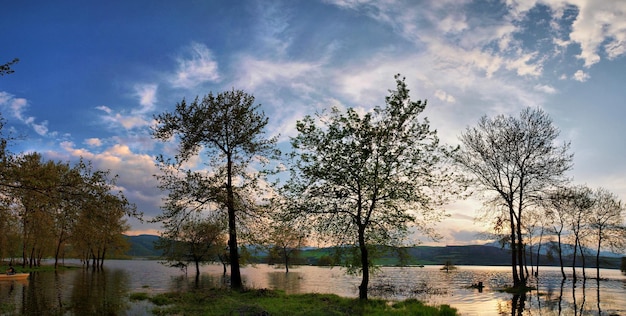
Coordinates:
92	74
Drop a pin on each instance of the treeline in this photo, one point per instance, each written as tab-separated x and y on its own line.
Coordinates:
57	209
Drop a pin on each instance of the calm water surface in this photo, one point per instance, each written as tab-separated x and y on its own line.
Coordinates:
83	292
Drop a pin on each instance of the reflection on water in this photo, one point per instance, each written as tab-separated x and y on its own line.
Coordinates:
85	292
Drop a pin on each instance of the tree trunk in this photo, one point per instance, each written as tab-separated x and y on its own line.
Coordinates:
364	264
516	280
235	273
598	256
561	256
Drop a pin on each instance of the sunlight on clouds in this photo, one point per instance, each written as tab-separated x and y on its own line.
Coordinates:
94	142
198	68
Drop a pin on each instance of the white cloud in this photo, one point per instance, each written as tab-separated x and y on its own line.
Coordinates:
147	95
94	142
17	108
197	68
128	121
580	76
443	96
545	88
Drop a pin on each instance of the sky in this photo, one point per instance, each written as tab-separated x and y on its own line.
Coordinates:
92	74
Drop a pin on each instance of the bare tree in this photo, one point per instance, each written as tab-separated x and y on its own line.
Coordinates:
606	223
517	159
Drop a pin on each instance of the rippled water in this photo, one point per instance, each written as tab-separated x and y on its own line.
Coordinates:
80	292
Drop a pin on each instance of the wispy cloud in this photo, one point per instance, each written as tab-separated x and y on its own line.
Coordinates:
195	66
147	96
17	107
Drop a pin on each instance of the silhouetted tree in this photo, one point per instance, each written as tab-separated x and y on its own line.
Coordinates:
517	160
606	223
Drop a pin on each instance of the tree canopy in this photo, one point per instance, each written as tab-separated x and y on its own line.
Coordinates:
230	130
366	180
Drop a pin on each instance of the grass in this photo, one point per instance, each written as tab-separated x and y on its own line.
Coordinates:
271	302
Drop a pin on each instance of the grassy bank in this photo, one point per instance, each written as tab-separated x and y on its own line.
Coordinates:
270	302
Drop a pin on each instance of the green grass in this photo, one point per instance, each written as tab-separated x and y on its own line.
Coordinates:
270	302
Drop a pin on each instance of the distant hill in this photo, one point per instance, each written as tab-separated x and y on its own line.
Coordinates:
143	246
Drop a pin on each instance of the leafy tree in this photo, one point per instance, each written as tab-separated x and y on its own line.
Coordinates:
364	180
5	69
516	159
199	240
230	130
285	242
101	221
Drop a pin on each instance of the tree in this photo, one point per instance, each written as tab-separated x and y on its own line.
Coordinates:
580	206
557	204
199	240
230	130
5	69
517	160
285	241
607	223
364	180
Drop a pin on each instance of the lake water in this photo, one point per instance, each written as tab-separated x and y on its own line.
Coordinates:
83	292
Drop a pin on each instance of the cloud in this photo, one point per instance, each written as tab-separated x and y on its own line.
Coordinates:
196	68
548	89
135	171
94	142
580	76
443	96
600	25
147	95
17	108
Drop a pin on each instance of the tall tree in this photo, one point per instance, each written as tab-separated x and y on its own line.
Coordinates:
230	130
518	160
364	180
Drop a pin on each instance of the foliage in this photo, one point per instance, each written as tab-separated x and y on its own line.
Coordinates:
517	160
46	206
199	240
269	302
284	243
5	69
229	129
363	180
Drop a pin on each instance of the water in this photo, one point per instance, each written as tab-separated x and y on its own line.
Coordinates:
83	292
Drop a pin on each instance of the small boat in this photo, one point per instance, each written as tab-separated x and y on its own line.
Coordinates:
14	276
